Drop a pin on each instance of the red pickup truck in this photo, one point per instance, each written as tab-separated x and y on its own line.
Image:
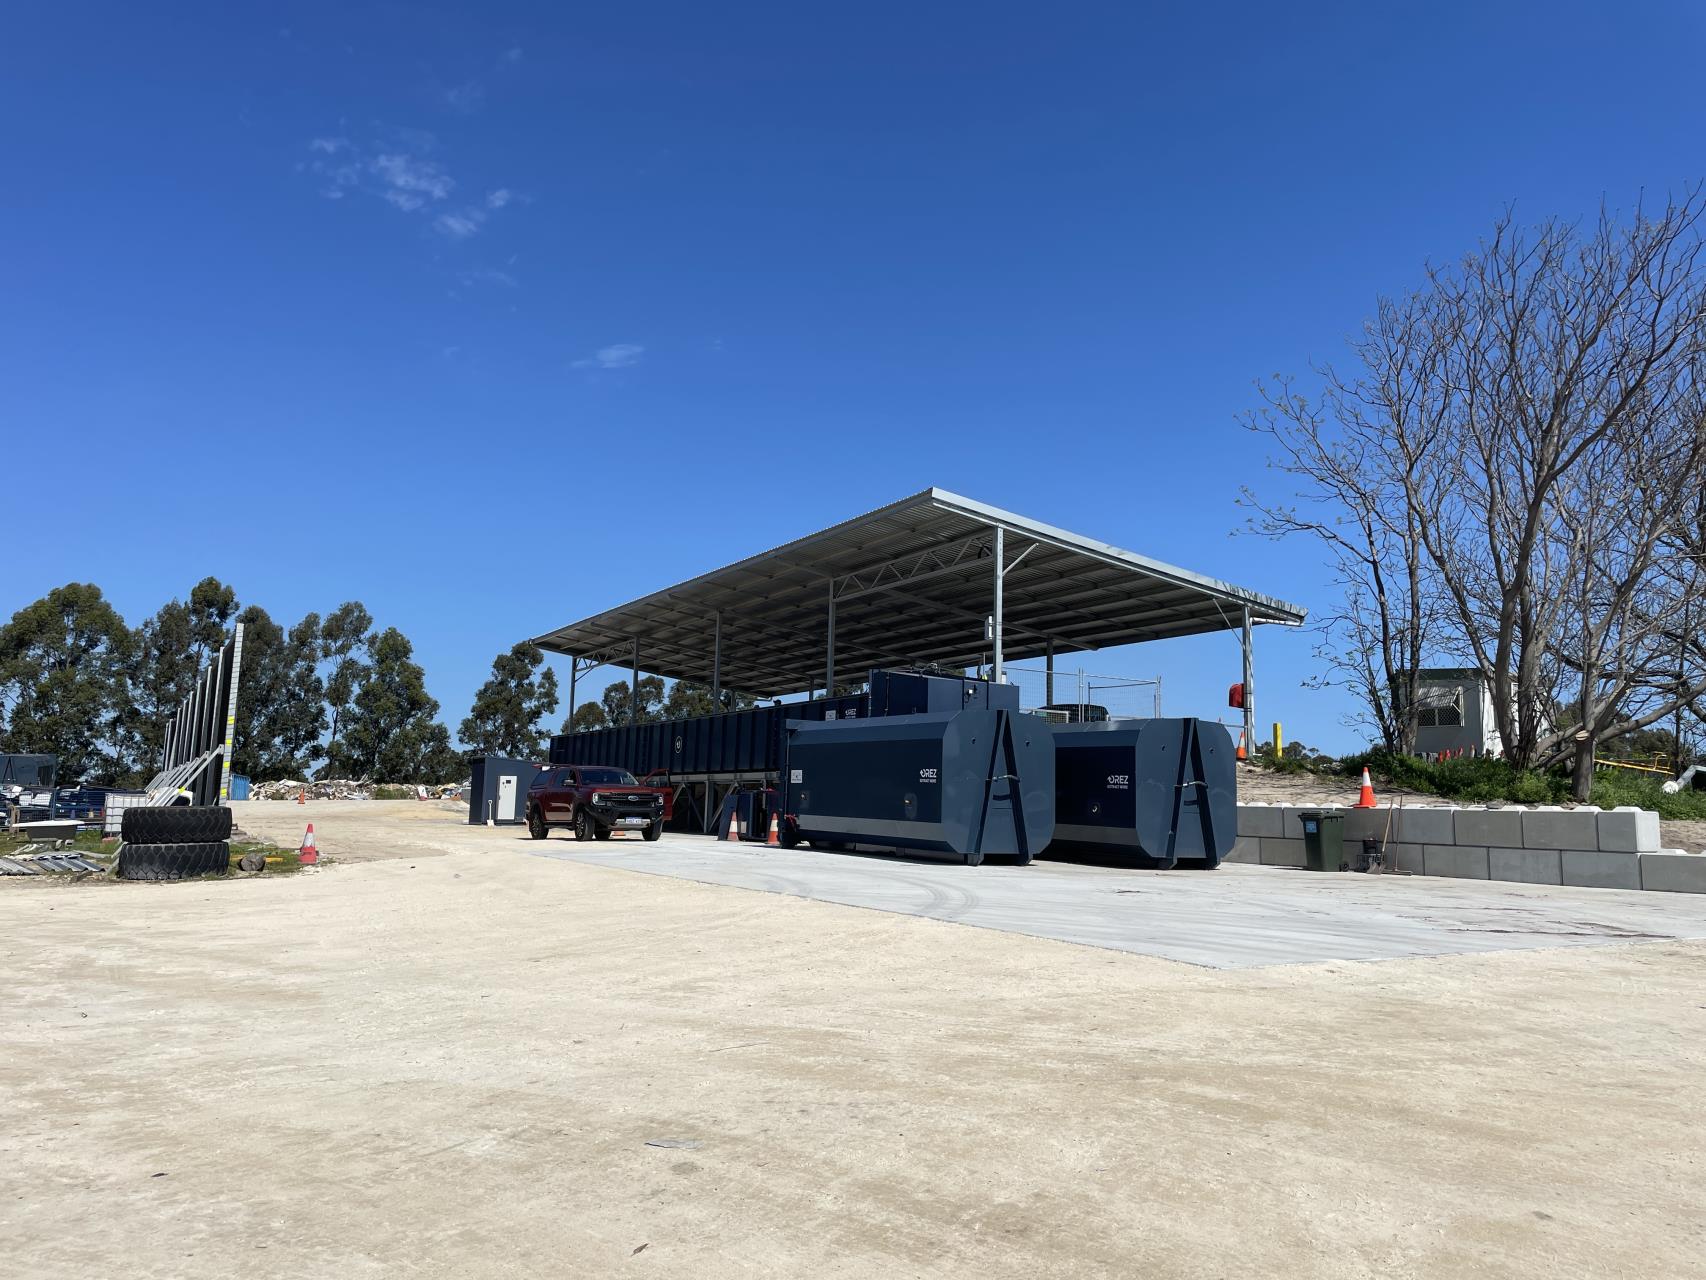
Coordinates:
594	801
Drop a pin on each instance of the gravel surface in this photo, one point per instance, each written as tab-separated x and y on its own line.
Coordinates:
484	1064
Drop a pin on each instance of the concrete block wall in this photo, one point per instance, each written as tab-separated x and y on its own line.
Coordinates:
1588	847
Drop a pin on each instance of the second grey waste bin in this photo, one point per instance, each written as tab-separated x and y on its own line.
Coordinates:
1323	841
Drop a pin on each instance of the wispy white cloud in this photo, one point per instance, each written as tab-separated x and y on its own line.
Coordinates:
399	170
511	55
489	276
410	182
618	355
459	226
464	99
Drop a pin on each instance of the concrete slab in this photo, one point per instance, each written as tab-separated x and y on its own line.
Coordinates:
1236	917
1627	829
1592	869
1405	857
1245	849
1673	871
1425	826
1552	828
1500	828
1261	820
1527	866
1282	853
1460	861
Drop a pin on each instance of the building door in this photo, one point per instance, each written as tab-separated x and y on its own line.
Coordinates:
506	798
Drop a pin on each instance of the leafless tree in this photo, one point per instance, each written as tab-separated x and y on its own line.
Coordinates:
1364	454
1523	449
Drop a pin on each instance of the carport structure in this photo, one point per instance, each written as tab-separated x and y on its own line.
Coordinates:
932	579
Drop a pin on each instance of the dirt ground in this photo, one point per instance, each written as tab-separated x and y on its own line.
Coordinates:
1264	785
467	1061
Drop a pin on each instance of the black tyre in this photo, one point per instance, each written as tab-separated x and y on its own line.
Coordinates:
536	824
601	833
584	826
173	861
654	830
176	824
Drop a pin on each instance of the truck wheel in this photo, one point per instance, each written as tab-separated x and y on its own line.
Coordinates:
536	825
654	830
601	833
176	824
583	826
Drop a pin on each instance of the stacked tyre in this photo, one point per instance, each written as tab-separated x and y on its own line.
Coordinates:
175	842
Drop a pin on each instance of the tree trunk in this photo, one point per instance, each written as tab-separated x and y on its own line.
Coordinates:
1581	776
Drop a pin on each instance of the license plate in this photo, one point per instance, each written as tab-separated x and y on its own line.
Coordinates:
631	822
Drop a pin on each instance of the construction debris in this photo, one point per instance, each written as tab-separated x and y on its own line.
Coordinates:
349	789
21	864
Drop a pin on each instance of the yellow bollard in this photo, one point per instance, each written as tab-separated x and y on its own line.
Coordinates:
1279	742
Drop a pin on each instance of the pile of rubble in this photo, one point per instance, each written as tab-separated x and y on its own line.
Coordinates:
347	789
329	789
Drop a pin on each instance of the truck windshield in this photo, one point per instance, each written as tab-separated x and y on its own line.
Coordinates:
607	778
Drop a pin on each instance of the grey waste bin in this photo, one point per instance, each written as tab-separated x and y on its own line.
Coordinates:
1323	841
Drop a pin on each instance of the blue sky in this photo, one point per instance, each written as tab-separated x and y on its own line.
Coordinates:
477	313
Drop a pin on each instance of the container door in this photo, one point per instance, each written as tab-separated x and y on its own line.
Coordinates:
506	798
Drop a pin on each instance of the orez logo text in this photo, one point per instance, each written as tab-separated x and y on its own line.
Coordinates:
927	775
1119	782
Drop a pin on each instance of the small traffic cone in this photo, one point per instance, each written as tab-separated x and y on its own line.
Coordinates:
1366	800
1242	753
733	833
308	854
302	796
775	836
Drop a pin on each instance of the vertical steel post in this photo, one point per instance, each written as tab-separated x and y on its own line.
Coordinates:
634	697
1249	688
1000	575
829	655
717	659
1157	697
1048	677
574	672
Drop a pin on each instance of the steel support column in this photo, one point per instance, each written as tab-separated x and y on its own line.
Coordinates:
1249	688
634	697
1048	677
829	648
574	675
717	659
1000	576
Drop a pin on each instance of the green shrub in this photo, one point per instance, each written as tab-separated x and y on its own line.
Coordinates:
1612	787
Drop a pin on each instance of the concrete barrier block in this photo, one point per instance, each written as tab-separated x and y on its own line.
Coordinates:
1591	869
1465	862
1282	853
1627	829
1261	820
1361	823
1673	871
1501	828
1528	866
1245	849
1553	828
1405	857
1293	828
1425	826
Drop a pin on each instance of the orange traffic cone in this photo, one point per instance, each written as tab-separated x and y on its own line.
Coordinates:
1366	800
733	833
775	836
308	854
1242	754
302	796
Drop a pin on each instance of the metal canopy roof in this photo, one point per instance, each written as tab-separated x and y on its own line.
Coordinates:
912	582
